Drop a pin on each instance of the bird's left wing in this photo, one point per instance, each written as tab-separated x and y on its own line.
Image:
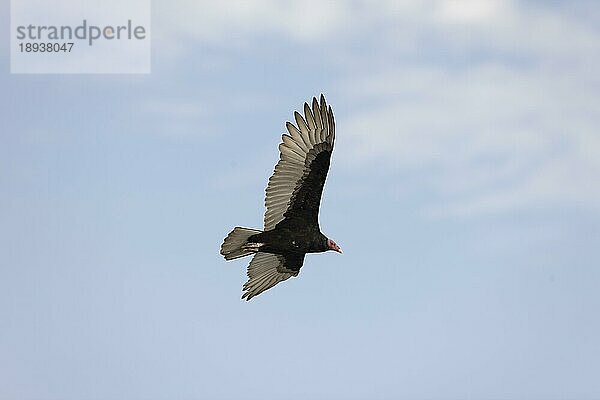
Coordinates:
295	188
267	270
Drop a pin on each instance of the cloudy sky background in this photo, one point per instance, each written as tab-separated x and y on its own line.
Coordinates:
463	190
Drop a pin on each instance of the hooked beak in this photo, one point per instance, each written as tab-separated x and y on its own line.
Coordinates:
333	246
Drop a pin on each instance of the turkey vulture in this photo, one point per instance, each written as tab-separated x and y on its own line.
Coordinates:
293	196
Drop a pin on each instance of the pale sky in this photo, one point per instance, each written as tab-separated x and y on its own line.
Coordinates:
463	190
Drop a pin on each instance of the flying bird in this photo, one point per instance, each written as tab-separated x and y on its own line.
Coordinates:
293	195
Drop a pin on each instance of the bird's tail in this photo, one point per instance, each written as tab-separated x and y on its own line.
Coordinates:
233	245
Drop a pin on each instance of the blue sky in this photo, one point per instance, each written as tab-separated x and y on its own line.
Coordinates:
463	190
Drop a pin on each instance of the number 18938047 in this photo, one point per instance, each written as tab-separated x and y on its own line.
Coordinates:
45	47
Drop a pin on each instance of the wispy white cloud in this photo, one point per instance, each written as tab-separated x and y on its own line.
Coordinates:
493	138
214	21
513	125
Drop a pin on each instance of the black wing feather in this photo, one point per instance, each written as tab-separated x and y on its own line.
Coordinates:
306	199
295	188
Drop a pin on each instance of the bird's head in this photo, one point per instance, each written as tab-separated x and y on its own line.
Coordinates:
331	245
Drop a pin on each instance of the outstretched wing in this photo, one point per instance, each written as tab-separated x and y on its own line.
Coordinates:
267	270
295	188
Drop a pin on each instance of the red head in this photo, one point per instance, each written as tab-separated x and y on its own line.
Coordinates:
333	246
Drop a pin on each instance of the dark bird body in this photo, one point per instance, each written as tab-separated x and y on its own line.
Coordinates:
293	197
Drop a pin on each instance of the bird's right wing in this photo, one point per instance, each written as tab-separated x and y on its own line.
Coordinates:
295	188
267	270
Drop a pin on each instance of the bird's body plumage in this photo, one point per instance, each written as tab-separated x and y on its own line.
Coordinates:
293	197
